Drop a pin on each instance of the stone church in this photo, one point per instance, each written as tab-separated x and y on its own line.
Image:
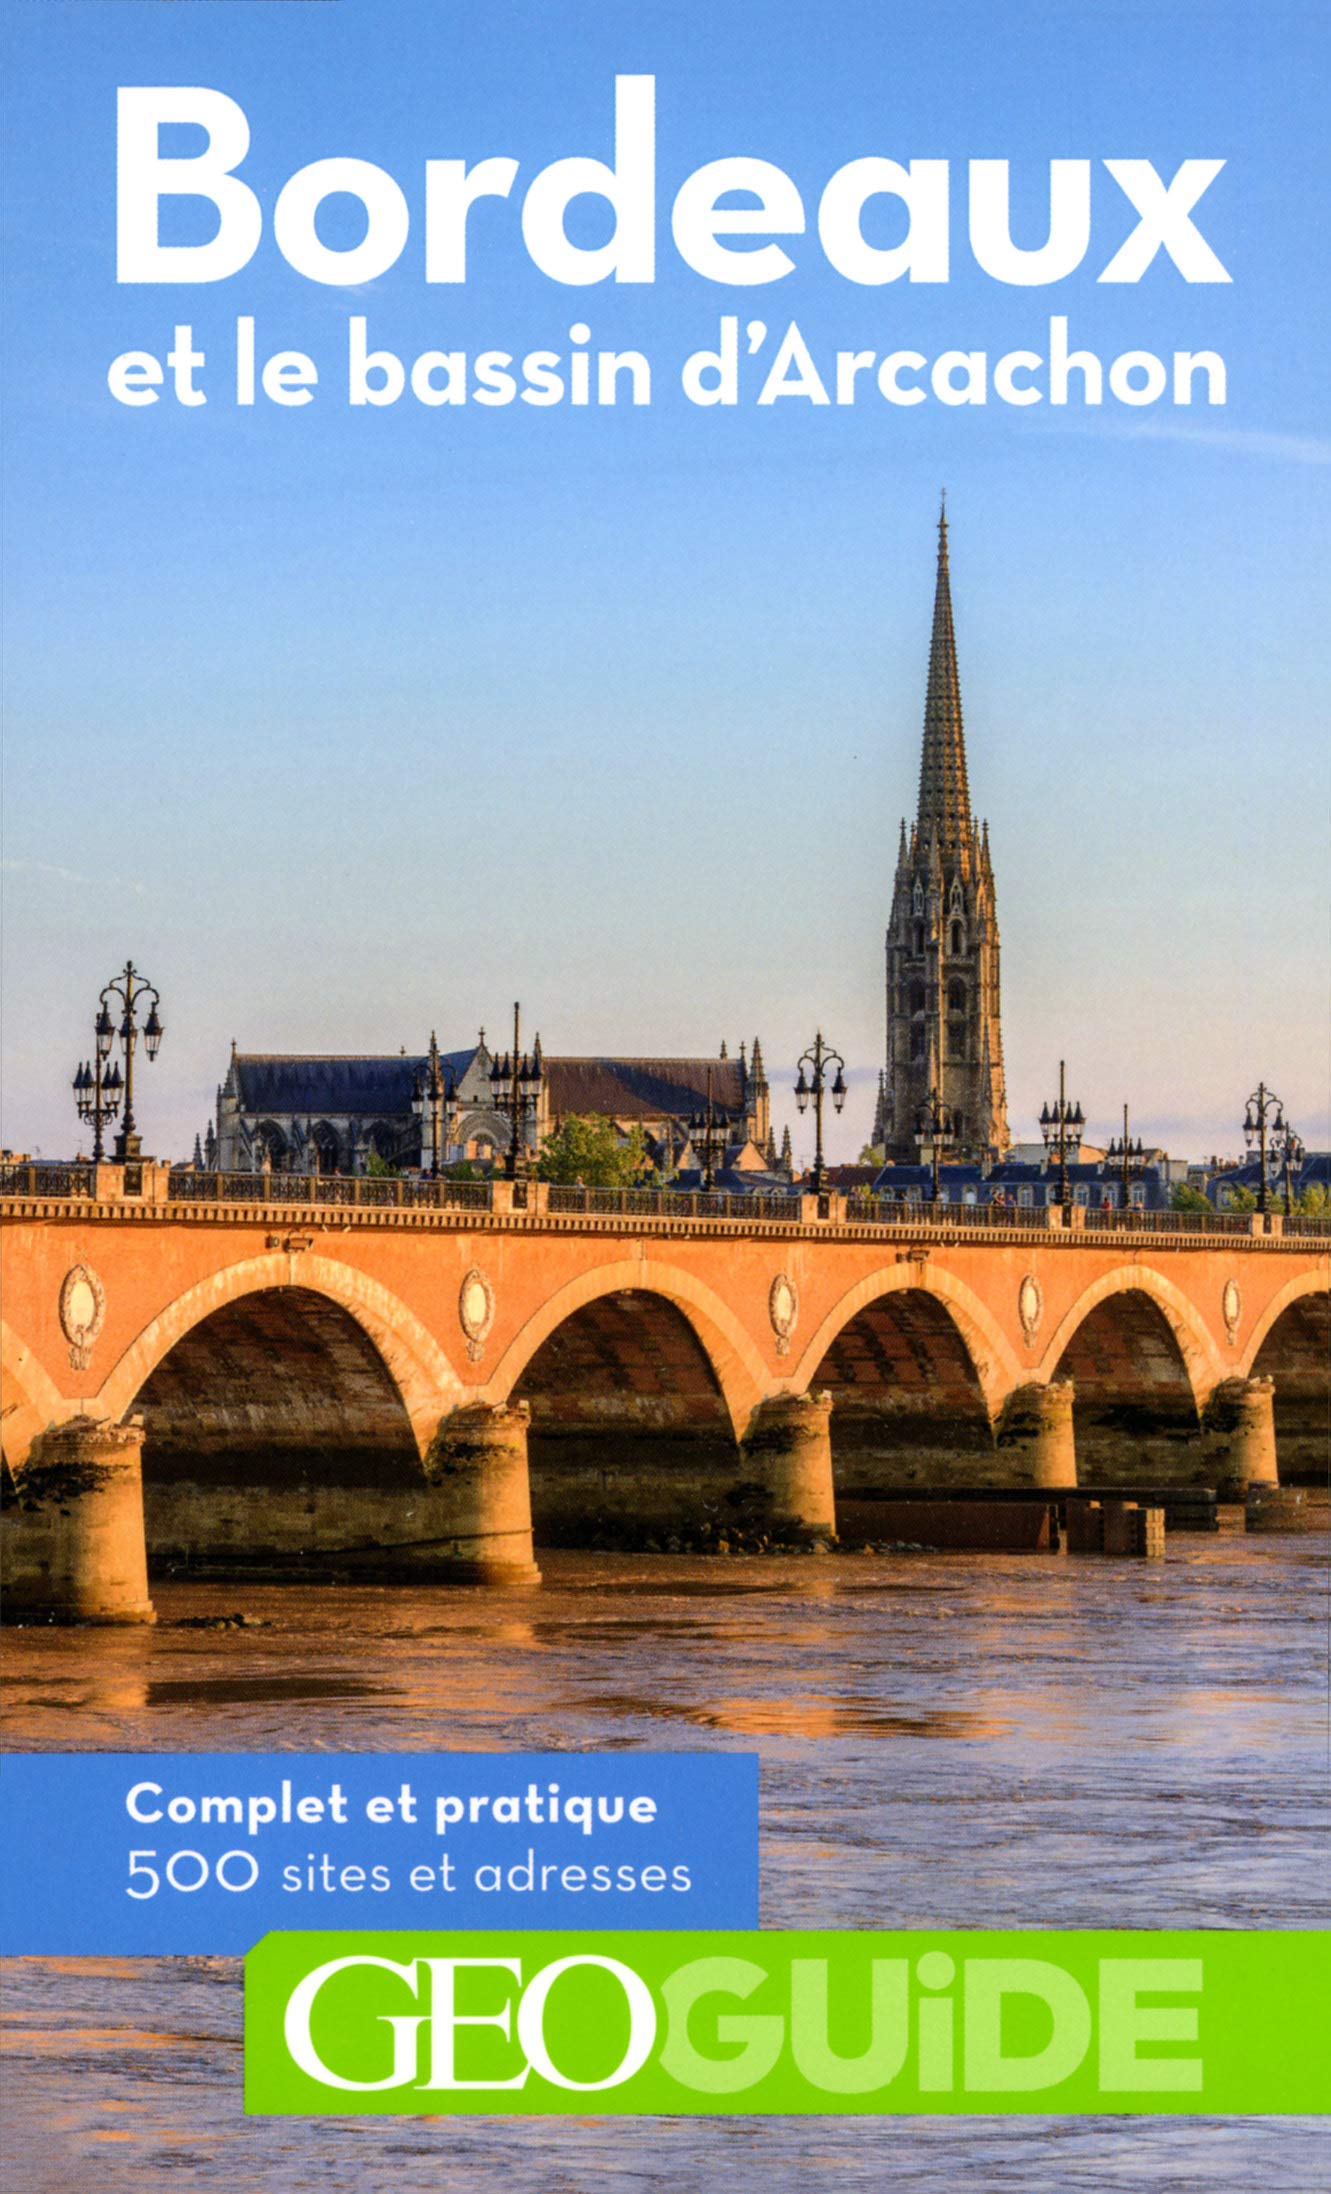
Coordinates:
944	1040
323	1114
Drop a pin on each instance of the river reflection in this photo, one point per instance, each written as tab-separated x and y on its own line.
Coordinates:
952	1740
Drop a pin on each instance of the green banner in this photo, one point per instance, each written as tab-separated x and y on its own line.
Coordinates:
761	2022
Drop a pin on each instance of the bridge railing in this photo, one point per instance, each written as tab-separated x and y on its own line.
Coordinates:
28	1177
1098	1221
898	1211
364	1190
669	1203
78	1178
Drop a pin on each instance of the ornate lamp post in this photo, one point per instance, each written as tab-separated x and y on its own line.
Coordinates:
130	990
1127	1155
1062	1125
433	1102
1278	1147
517	1085
935	1125
818	1058
711	1126
97	1093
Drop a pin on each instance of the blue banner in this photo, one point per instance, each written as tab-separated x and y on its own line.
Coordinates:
130	1854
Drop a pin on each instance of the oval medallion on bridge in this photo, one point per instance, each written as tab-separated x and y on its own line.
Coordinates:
476	1311
1231	1305
1030	1306
783	1308
82	1309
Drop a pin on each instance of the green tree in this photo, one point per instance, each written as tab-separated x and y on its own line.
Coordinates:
380	1168
1184	1198
591	1152
872	1154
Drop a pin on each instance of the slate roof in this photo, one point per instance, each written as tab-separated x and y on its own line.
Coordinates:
276	1083
900	1176
641	1089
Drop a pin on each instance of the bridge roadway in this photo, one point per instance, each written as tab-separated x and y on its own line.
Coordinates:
401	1377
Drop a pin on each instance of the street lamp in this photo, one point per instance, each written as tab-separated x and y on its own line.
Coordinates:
1278	1147
97	1093
935	1125
1127	1155
1061	1125
130	990
711	1126
434	1099
516	1083
818	1058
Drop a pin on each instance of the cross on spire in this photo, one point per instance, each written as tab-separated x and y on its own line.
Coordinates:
944	793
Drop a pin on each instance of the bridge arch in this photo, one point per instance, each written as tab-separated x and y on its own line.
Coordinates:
1197	1346
734	1359
991	1355
424	1378
1143	1366
641	1384
917	1369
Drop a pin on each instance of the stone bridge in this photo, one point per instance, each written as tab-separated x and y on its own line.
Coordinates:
403	1385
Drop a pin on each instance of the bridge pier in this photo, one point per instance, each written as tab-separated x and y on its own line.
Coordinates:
1036	1431
478	1462
789	1450
1243	1411
73	1543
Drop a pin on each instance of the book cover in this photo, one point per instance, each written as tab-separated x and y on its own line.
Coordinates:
666	1206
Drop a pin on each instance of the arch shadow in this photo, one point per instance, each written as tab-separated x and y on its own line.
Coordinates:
992	1357
1201	1353
734	1358
424	1378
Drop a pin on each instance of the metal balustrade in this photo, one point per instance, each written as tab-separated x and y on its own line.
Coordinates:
27	1177
377	1192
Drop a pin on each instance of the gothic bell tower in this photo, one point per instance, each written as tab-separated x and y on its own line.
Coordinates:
943	1030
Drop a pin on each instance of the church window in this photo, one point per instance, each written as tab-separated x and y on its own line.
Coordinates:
958	942
919	936
917	1043
917	997
956	997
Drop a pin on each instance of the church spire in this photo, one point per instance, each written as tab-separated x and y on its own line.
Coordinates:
944	794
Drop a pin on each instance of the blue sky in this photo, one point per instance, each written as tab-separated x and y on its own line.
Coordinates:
350	723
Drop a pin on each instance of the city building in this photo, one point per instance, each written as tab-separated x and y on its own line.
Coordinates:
1098	1185
944	1039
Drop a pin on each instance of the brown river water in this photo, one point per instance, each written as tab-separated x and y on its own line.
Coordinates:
951	1740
